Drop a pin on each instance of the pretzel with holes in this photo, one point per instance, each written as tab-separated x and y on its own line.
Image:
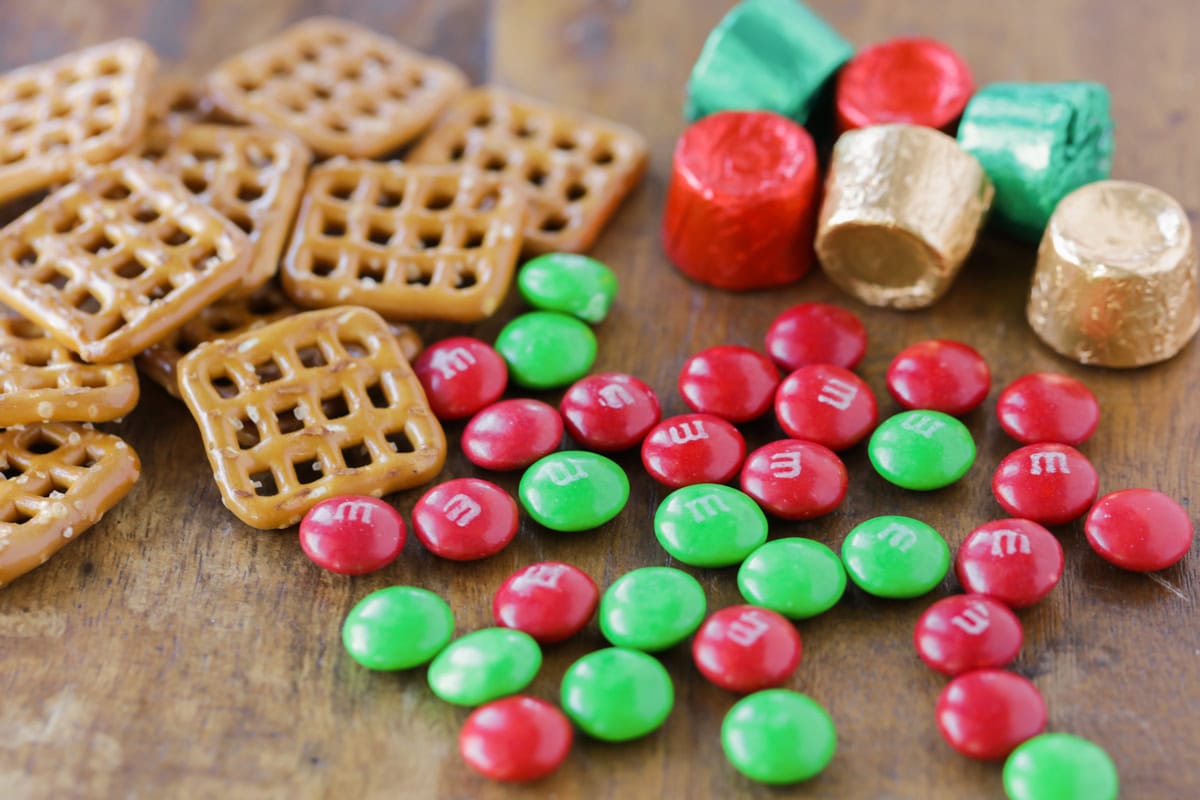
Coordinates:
58	480
254	177
317	405
230	317
86	107
341	88
42	381
410	243
575	168
114	262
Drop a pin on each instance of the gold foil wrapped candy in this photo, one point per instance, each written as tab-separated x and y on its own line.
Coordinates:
903	205
1116	278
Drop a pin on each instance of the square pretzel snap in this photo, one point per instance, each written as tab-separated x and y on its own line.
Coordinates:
317	405
408	242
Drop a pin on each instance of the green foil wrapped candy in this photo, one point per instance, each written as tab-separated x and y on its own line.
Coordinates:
766	55
1038	142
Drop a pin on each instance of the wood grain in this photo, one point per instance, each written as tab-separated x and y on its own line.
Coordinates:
173	652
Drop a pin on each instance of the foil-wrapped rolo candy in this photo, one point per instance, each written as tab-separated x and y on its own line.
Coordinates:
1116	278
903	206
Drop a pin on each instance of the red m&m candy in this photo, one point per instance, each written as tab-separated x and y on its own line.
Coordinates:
793	479
816	333
1139	529
512	434
460	375
966	632
1016	561
731	382
1047	407
826	404
1047	483
352	535
987	713
939	375
693	448
465	519
746	648
516	739
610	412
550	601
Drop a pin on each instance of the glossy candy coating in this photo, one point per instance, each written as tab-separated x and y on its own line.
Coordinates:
1139	530
609	412
546	349
799	578
988	712
966	632
709	525
515	739
352	535
816	333
731	382
826	404
1060	766
1047	483
746	649
897	557
465	519
941	375
908	79
1015	561
574	490
617	694
778	736
921	450
460	375
399	627
794	479
485	665
652	608
550	600
512	434
693	448
1048	407
570	283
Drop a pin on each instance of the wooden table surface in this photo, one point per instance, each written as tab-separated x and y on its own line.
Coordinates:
174	652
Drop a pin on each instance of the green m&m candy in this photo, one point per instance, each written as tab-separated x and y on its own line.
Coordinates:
570	283
895	557
546	349
1060	766
617	694
799	578
573	490
921	450
485	665
652	608
778	736
399	627
709	525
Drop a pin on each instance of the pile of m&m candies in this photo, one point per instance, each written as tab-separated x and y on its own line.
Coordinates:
805	377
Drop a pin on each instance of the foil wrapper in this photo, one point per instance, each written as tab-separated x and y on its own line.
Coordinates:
903	206
1116	278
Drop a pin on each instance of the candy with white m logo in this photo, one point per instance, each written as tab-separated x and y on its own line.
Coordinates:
1015	561
574	490
895	556
709	525
921	450
746	648
465	519
609	412
693	448
826	404
1048	483
352	535
460	375
961	633
792	479
551	601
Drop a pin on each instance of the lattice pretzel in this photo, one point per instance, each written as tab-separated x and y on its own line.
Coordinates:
58	480
231	317
175	103
114	262
576	168
313	406
408	242
252	176
341	88
42	381
84	107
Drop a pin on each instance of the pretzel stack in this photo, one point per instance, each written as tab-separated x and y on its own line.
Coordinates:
185	230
